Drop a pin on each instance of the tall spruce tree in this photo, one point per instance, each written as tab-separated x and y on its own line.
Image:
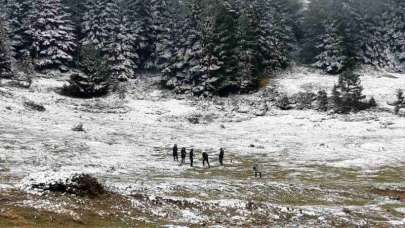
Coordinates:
250	59
395	34
141	25
284	18
52	34
18	19
164	25
95	79
94	27
331	58
121	52
185	72
225	40
347	94
5	53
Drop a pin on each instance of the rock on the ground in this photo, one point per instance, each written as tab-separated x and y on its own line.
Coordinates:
401	112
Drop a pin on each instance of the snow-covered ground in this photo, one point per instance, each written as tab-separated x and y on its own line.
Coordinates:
127	144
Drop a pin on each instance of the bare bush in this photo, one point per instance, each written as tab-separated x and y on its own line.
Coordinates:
79	184
34	106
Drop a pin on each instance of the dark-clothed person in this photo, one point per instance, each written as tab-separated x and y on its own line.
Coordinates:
191	157
206	159
221	156
183	154
175	153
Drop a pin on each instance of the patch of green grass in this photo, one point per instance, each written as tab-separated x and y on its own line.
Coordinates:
390	175
390	208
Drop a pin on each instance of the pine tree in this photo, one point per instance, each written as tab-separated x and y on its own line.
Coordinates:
94	80
250	59
5	53
141	26
52	34
283	19
121	52
106	26
347	95
395	35
185	70
18	18
225	79
163	29
379	32
94	28
331	57
375	50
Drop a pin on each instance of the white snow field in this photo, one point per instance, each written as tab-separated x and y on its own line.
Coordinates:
319	168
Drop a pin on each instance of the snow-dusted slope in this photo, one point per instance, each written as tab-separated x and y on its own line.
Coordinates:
381	85
128	143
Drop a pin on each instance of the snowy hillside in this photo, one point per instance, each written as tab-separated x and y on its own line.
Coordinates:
127	144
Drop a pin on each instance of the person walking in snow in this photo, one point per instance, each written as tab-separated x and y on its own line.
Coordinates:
183	154
221	156
175	153
206	159
257	169
191	157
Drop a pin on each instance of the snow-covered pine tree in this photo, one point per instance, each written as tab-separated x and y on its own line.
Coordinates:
164	24
121	52
225	79
250	58
77	9
5	53
278	22
283	19
105	25
331	50
376	50
94	81
315	16
267	51
376	32
395	34
17	17
209	60
185	72
94	29
141	25
52	34
347	94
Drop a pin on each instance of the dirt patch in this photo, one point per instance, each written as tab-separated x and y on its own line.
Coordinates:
392	194
13	218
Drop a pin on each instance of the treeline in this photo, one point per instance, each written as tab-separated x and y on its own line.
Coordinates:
341	33
199	46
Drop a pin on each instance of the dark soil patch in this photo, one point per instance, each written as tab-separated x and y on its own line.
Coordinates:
392	194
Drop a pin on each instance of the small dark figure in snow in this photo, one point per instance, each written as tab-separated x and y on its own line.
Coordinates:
191	157
175	153
257	170
221	156
205	159
183	154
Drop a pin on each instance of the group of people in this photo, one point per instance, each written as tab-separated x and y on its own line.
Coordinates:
205	158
